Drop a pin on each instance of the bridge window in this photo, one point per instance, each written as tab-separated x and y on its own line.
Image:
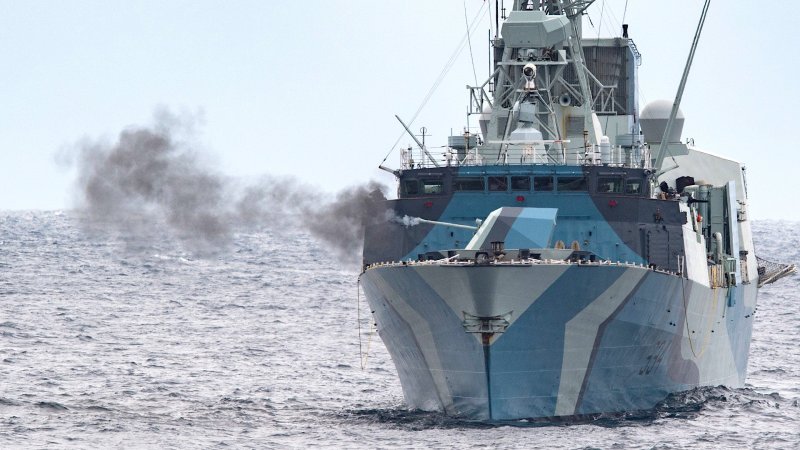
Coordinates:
520	183
567	184
468	184
432	187
634	186
498	184
411	187
542	183
609	185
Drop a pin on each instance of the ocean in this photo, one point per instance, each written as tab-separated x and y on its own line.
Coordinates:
109	340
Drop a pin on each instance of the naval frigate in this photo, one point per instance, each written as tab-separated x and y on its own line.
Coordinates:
572	255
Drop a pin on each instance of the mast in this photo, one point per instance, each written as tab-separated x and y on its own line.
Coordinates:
419	144
573	11
546	102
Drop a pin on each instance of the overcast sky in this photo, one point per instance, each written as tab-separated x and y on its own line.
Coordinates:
310	88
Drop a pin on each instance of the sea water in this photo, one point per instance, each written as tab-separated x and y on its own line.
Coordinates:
108	340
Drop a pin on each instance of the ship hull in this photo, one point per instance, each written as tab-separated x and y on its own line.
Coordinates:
517	341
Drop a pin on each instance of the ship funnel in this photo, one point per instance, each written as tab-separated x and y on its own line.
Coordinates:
654	120
564	99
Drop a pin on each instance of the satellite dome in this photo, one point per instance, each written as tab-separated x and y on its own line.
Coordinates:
654	118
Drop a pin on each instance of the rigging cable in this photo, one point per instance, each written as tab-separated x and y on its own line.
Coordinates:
469	41
448	65
600	27
625	11
613	24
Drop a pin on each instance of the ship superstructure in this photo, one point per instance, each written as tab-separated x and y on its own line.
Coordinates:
555	262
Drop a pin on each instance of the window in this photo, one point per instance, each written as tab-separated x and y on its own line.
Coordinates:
520	183
498	184
542	183
609	185
411	187
468	184
634	186
432	187
567	184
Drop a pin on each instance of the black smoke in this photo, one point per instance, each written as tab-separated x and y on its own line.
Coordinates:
151	179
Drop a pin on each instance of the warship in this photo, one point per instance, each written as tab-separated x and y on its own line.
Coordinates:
571	255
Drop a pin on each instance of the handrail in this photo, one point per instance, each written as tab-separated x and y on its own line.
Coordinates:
525	154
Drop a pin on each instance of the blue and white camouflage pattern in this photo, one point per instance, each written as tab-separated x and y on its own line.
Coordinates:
604	279
581	338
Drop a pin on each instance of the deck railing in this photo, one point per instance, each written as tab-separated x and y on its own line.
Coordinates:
513	154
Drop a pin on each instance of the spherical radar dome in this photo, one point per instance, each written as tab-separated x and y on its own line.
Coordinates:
654	118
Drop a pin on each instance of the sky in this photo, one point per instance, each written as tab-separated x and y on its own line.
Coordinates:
310	89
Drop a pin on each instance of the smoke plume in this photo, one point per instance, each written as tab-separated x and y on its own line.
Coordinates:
406	221
149	178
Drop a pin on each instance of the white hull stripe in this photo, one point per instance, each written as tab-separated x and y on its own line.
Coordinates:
580	338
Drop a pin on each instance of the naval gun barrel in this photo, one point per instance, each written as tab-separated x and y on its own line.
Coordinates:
448	224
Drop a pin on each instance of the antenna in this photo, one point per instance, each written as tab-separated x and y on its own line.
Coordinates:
662	149
497	17
420	144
